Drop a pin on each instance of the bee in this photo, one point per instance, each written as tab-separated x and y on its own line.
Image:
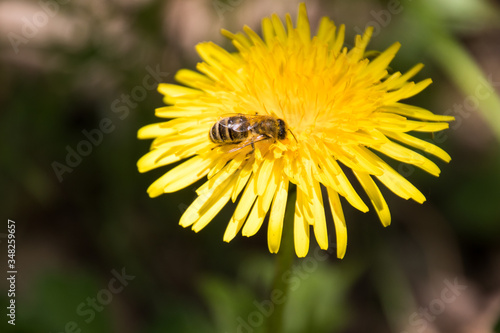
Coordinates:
246	130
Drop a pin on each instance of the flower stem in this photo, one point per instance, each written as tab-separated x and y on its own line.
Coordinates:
284	260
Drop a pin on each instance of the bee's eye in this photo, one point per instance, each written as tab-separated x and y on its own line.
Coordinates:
281	129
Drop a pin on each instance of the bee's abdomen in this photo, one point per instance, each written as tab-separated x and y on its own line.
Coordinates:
229	130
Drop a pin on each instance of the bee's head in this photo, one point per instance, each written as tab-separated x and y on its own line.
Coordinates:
281	129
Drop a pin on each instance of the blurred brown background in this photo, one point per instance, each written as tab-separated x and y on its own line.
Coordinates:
95	254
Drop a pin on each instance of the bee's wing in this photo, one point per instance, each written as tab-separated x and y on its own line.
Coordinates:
255	120
248	142
237	122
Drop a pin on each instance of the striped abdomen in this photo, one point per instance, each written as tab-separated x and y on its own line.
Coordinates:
230	130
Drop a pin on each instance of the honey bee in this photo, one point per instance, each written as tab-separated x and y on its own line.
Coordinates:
246	130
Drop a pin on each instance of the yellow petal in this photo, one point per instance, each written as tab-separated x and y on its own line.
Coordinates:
246	200
218	166
406	155
357	52
174	92
339	180
408	90
176	141
339	40
261	207
268	31
320	230
212	72
276	217
156	158
256	40
255	219
259	210
238	39
414	112
326	30
289	27
181	176
400	185
245	174
191	214
339	220
396	80
379	65
229	169
216	56
279	28
363	160
375	196
303	24
420	144
273	182
194	211
152	131
349	193
395	182
264	173
300	229
242	209
193	79
218	201
429	127
182	111
232	229
390	122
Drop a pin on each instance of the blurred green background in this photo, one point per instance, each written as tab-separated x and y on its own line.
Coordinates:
95	254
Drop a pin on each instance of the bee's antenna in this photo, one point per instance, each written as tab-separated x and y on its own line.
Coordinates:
289	130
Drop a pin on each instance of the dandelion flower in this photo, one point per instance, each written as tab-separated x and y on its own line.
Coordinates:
341	110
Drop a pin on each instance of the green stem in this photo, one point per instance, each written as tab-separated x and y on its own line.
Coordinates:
279	294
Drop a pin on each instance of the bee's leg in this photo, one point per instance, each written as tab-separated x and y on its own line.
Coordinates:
252	143
253	149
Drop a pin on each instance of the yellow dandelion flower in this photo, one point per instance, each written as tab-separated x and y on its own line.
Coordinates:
288	108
